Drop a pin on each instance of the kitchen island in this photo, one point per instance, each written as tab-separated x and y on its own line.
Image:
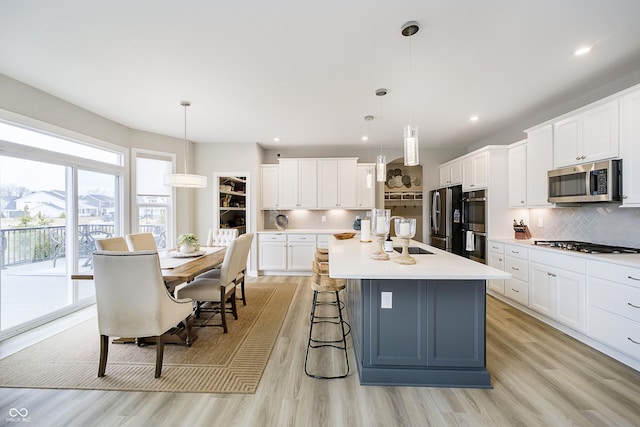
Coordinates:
415	325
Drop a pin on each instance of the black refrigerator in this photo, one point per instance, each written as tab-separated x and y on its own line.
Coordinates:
446	219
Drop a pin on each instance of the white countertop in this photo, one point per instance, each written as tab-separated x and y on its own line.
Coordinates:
310	231
350	259
632	260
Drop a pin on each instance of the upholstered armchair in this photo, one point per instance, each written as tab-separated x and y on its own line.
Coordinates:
244	241
112	244
216	291
132	301
221	236
141	242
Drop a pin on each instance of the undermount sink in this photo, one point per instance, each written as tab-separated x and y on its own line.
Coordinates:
413	250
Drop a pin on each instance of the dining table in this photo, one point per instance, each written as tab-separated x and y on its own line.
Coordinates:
177	268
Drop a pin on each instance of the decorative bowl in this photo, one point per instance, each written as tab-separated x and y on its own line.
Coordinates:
344	236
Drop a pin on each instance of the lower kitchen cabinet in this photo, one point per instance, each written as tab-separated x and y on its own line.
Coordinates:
286	252
558	292
495	259
614	307
515	262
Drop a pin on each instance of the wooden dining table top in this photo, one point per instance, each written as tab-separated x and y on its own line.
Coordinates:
184	272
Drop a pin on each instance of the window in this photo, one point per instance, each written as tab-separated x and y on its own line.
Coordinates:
154	200
54	193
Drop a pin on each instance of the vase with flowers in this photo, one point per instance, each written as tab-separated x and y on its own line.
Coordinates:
188	243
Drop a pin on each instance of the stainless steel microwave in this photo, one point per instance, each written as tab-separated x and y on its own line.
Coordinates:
589	182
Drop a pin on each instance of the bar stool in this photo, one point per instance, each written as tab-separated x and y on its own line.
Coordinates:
322	283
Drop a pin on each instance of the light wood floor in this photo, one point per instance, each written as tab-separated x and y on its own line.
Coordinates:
541	377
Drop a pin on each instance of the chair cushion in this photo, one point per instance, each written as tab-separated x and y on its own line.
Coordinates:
203	290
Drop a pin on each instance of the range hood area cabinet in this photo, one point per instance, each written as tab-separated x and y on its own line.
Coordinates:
630	148
316	183
587	136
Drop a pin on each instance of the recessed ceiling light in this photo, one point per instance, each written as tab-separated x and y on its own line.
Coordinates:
276	139
474	118
365	138
582	51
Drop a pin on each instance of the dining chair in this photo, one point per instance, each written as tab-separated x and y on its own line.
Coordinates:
141	242
112	244
221	236
216	291
132	301
245	247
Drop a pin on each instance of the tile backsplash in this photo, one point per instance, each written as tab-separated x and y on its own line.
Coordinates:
302	218
606	224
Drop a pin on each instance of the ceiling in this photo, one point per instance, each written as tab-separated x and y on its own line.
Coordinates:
306	71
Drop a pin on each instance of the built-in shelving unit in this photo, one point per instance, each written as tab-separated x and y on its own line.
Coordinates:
231	201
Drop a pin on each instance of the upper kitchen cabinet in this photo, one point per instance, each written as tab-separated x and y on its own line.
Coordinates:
366	186
297	183
588	136
539	162
475	171
337	183
269	186
518	174
630	148
451	173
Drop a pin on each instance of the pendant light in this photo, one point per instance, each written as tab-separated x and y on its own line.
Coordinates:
369	178
411	155
381	160
185	180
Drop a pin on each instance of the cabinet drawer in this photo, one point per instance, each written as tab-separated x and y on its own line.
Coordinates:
565	262
616	331
301	238
615	273
619	299
516	251
496	247
272	237
519	268
517	290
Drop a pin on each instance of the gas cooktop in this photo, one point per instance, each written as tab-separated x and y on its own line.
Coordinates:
584	247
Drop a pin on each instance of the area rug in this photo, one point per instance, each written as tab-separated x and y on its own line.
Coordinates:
215	363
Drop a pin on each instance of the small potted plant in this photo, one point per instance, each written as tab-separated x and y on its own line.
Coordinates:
188	242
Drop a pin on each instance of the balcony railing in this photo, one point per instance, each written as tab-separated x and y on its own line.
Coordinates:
33	244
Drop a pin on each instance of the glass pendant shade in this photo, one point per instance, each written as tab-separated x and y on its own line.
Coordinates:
381	168
369	177
411	155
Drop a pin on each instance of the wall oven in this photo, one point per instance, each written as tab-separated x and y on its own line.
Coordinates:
590	182
474	220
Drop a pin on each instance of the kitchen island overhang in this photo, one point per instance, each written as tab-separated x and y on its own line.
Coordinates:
415	325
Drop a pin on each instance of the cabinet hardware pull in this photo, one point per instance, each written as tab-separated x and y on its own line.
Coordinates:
632	278
633	341
551	274
578	158
514	268
515	290
515	252
499	259
632	305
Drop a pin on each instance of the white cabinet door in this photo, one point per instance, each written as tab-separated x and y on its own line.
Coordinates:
539	162
475	172
587	137
337	183
566	141
301	250
451	174
570	296
297	180
601	132
496	260
269	186
630	148
272	252
366	186
308	182
518	176
541	291
288	184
